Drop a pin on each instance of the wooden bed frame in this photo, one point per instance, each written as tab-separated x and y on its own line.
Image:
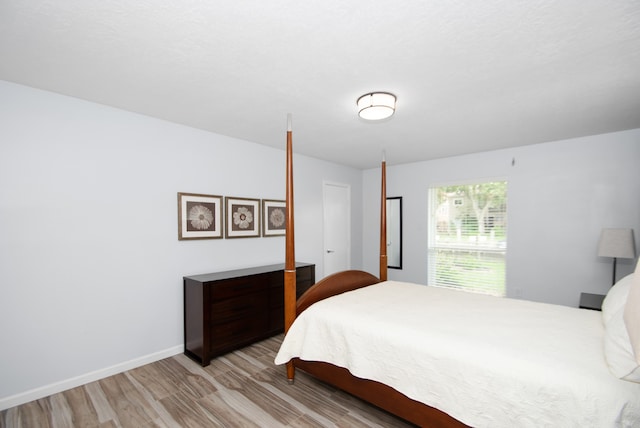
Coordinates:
376	393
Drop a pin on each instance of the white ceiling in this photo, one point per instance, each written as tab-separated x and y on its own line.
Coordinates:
469	75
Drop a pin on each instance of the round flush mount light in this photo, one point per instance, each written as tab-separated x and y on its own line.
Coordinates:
376	105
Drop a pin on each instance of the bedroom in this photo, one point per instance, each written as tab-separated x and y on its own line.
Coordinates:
89	225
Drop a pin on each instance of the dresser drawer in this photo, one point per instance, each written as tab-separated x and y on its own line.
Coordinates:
232	334
248	306
304	274
237	287
276	320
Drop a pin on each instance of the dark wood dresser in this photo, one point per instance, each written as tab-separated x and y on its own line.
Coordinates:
224	311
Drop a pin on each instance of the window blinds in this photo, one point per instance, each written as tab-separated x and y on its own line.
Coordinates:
468	237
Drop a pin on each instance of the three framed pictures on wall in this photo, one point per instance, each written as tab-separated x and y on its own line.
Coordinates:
202	216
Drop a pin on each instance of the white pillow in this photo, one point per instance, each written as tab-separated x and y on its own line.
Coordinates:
618	351
632	314
616	298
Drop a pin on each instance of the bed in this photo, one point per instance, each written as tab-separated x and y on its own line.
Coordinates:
440	357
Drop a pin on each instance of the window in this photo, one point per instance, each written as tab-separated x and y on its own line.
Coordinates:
468	237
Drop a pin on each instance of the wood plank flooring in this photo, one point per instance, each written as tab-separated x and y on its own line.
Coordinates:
240	389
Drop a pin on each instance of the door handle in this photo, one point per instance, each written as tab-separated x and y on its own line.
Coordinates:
330	251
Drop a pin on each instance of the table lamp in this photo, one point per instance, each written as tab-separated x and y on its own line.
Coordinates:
616	243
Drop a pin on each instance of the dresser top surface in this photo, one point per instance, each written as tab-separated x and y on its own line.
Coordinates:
236	273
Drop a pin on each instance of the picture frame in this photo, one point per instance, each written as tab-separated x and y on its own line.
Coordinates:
242	217
274	214
200	216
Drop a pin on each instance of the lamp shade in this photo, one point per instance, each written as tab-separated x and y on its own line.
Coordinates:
376	105
617	243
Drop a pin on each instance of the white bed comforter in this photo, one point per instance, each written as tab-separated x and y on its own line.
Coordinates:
486	361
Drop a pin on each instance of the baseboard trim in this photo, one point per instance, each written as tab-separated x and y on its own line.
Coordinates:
54	388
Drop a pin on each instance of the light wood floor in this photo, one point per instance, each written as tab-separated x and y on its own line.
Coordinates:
240	389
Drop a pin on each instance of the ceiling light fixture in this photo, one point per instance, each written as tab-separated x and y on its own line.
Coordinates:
376	105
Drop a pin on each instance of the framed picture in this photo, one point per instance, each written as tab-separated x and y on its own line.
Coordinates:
273	217
199	216
243	217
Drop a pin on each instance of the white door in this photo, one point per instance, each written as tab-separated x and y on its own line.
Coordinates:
337	228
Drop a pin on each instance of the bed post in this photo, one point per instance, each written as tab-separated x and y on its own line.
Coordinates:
383	221
290	257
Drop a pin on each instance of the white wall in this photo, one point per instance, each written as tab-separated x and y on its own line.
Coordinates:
560	195
90	263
